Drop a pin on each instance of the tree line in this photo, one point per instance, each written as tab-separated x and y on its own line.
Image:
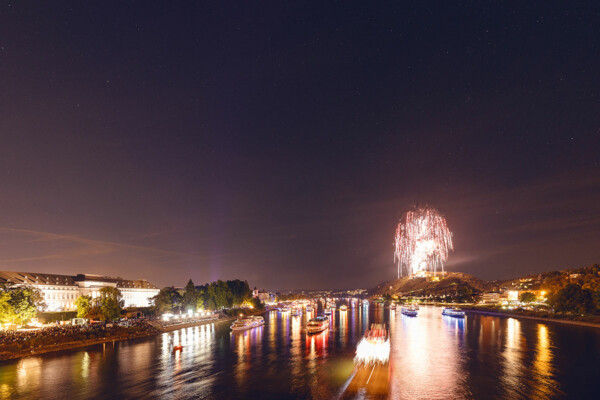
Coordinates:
575	291
210	296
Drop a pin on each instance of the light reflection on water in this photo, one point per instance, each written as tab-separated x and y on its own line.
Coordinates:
431	357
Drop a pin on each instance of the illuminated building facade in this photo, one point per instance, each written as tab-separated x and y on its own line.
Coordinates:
61	291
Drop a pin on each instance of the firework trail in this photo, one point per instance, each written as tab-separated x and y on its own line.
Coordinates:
422	241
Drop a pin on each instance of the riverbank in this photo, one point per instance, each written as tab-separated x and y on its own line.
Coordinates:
8	353
532	317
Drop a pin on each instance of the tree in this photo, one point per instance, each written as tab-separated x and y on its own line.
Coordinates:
200	300
108	305
167	300
527	297
256	304
6	311
572	299
83	304
24	302
190	297
240	291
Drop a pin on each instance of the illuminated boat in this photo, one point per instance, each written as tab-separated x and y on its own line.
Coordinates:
243	324
453	312
327	311
177	348
409	311
316	325
374	347
343	307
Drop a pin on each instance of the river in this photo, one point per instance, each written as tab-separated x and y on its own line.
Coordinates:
481	357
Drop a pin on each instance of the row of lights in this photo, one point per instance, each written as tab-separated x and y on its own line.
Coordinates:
168	316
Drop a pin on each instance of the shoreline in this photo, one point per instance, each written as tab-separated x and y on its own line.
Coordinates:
534	318
92	342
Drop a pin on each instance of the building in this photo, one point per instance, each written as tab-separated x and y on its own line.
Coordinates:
490	297
61	291
261	295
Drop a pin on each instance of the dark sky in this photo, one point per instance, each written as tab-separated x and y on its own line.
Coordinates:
280	142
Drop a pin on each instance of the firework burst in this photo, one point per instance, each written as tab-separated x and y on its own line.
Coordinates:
422	242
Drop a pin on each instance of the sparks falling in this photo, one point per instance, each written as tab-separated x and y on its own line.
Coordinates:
422	242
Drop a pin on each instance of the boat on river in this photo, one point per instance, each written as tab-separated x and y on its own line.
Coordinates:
316	325
374	347
242	324
343	307
453	312
409	311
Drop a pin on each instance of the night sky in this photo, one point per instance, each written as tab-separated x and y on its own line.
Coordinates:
280	142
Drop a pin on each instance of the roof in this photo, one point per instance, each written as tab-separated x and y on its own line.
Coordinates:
34	278
121	283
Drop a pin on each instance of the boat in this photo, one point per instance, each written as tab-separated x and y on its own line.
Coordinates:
296	312
327	311
374	347
177	348
409	311
316	325
285	309
365	302
343	307
241	324
453	312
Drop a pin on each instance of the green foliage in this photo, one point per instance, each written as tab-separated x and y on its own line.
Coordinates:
106	307
111	303
527	297
464	294
256	304
190	297
20	304
83	305
240	291
168	300
6	310
572	299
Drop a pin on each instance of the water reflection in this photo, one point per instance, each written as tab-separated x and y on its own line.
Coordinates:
543	364
512	357
431	357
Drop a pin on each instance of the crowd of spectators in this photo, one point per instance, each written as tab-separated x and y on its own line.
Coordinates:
11	341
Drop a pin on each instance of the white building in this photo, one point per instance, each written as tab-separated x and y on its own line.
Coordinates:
61	291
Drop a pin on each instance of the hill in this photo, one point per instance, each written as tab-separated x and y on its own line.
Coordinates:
458	283
450	284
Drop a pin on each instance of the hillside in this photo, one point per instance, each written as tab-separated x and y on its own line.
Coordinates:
458	282
449	285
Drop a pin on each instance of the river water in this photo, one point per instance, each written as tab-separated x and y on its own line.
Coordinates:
481	357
